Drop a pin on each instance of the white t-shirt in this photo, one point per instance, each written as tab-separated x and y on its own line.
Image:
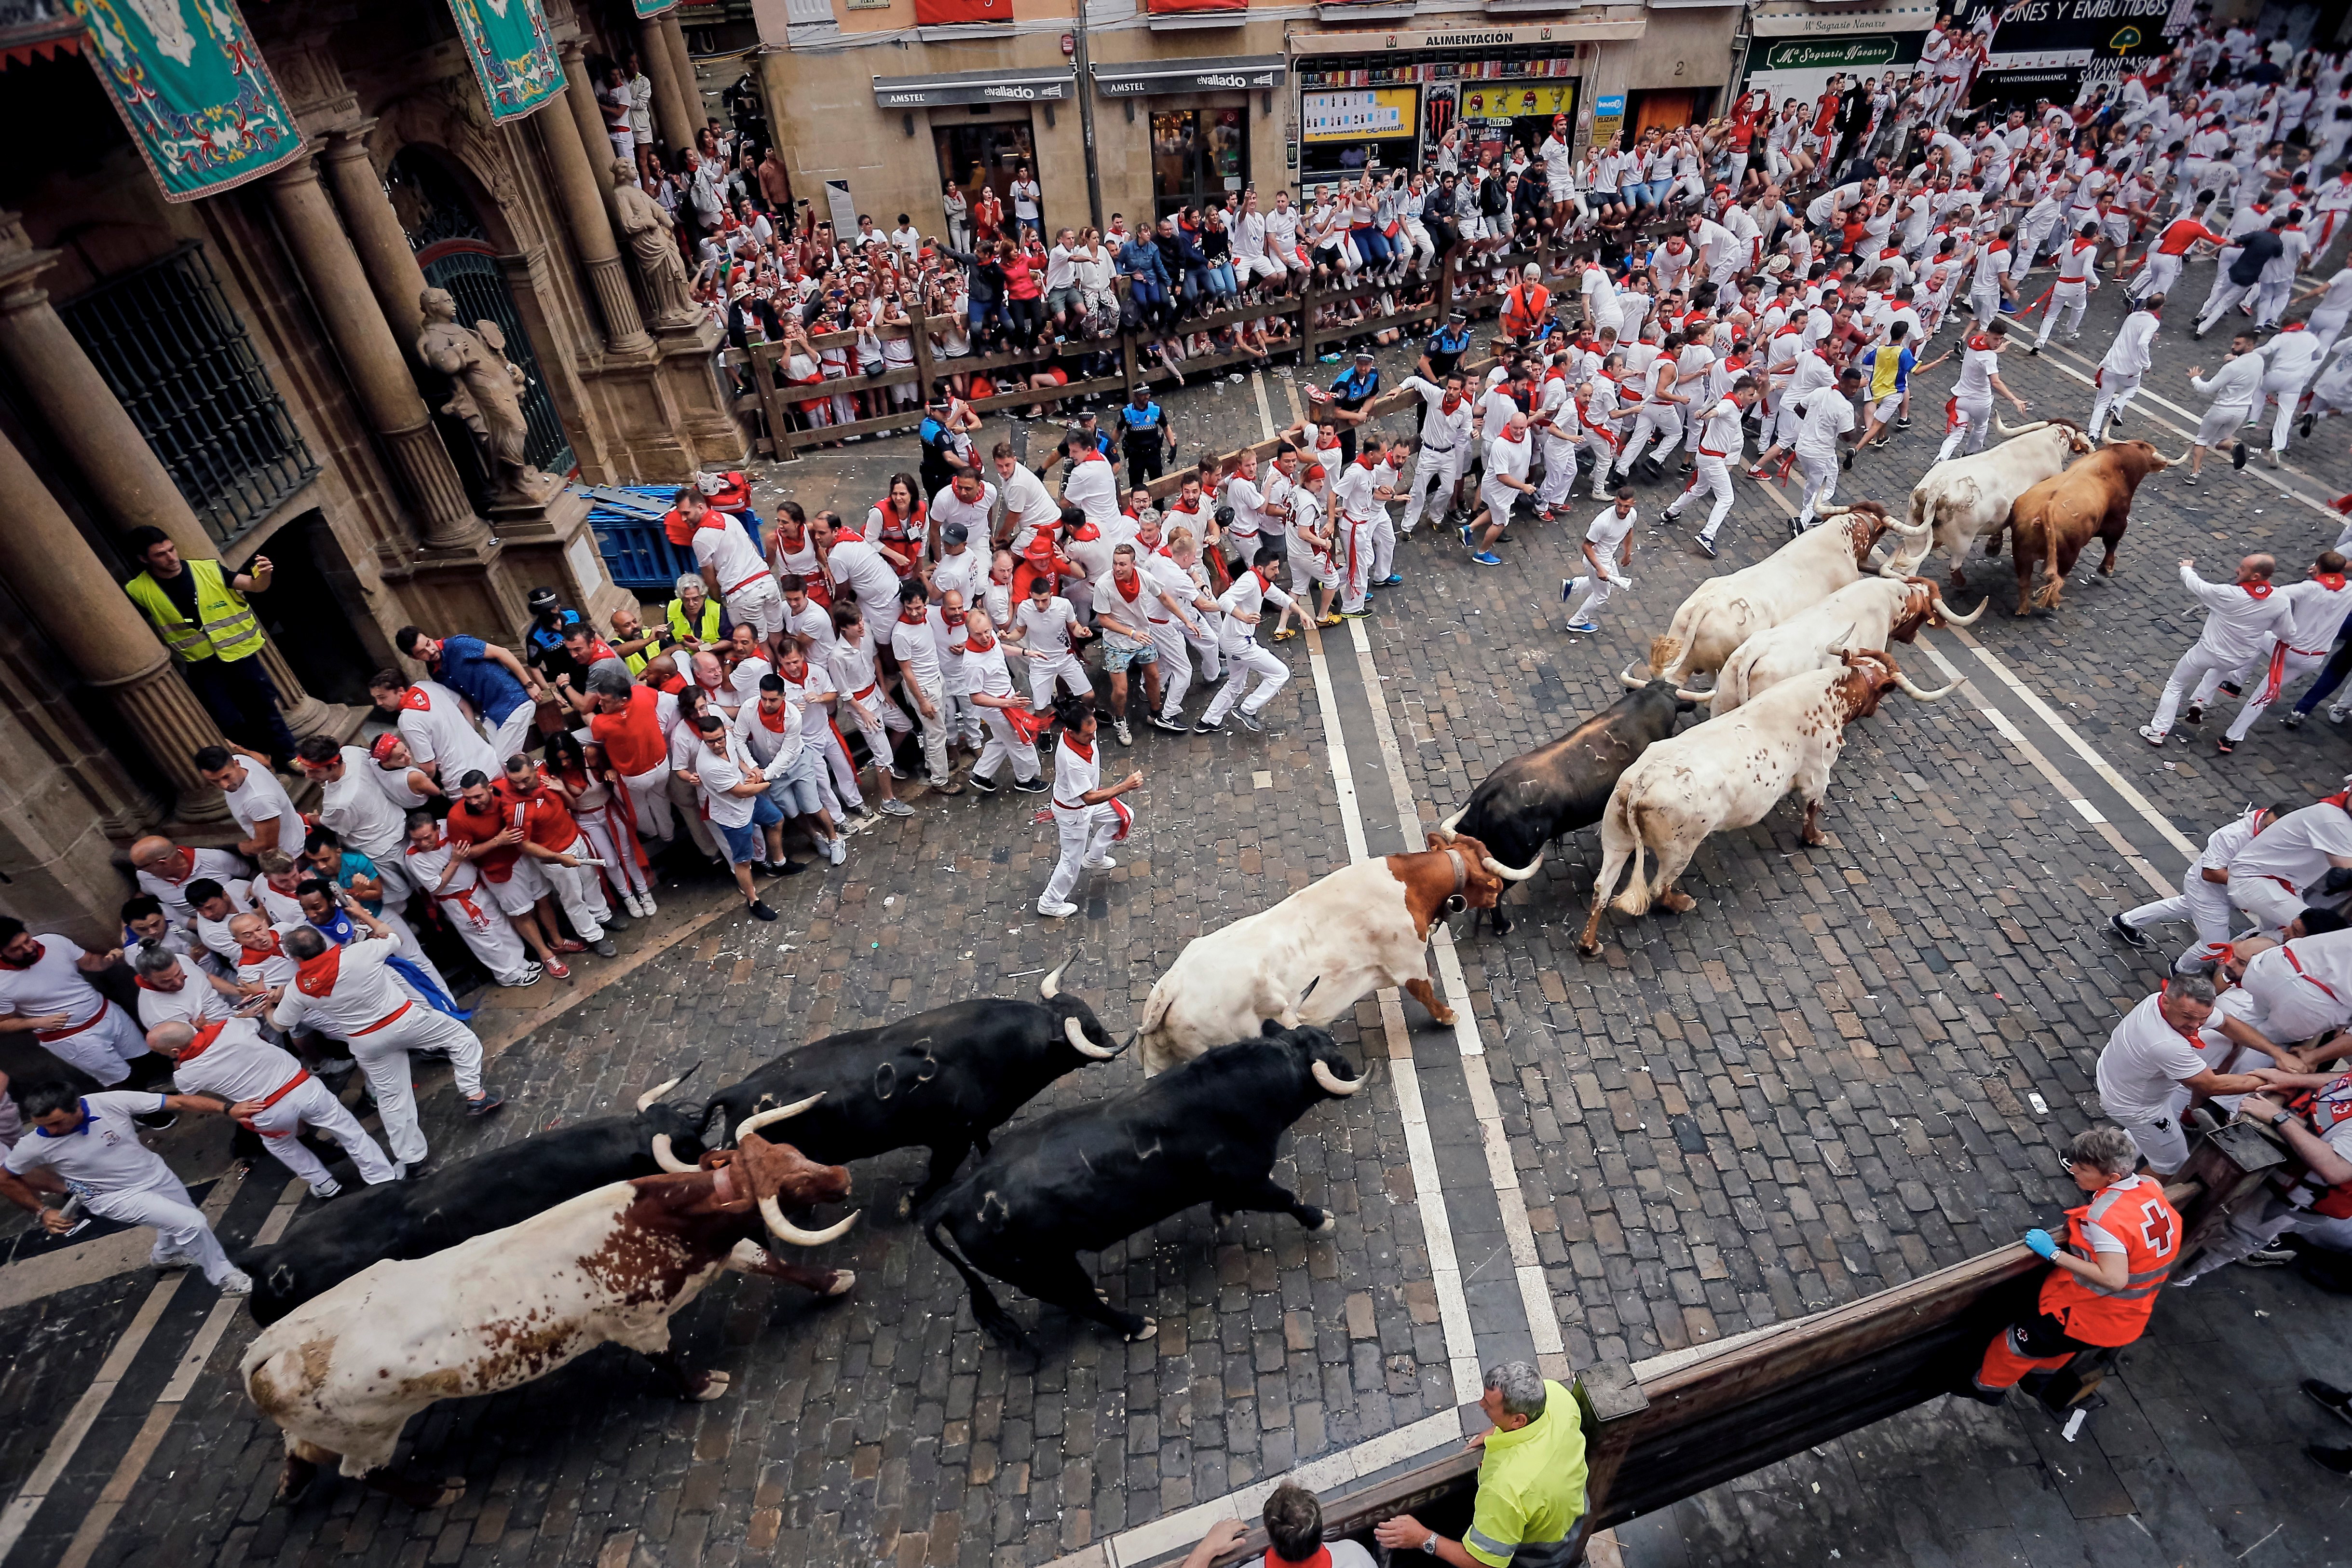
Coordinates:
237	1065
439	735
912	645
808	695
721	774
1827	416
364	994
104	1155
52	984
2143	1061
356	807
1049	633
196	1001
723	549
261	798
1607	533
858	566
1027	503
218	865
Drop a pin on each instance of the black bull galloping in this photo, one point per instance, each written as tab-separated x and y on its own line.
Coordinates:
1521	807
944	1080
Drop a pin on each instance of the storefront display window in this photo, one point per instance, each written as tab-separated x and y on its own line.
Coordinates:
1197	157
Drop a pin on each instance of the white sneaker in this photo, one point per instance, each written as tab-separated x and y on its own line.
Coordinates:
236	1283
629	902
1105	864
646	903
836	849
1056	912
2336	711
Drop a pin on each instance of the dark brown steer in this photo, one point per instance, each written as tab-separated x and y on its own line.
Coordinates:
2056	518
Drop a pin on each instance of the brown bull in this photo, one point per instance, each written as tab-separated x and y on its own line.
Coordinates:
2057	517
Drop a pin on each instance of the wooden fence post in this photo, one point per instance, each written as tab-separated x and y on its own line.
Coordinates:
1610	1400
919	337
2227	1165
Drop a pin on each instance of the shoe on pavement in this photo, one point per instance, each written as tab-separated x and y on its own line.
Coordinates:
1166	726
1330	620
2238	455
1056	911
1705	544
1286	634
2223	744
1103	863
2185	479
2151	734
2129	932
761	911
1206	728
2336	713
560	971
645	902
985	786
2294	721
489	1100
2193	714
606	948
1487	558
836	849
1031	786
2303	426
1466	536
1586	627
896	808
1126	736
2269	1257
530	975
2232	689
2336	1399
1394	580
1249	723
236	1283
946	786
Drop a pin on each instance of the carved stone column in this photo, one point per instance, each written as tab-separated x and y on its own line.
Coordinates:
576	147
690	90
671	117
60	580
101	438
391	266
372	357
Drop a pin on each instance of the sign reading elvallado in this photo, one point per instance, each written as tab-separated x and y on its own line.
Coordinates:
193	91
513	57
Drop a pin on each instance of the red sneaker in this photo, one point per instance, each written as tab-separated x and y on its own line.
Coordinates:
568	946
560	972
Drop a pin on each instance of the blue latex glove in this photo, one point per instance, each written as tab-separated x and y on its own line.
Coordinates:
2040	1241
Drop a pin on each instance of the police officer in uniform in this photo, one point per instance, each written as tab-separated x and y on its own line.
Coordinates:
1441	356
1350	395
1144	429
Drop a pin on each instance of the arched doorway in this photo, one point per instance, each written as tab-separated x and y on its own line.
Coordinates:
455	252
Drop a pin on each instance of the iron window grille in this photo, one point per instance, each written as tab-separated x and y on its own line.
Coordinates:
178	358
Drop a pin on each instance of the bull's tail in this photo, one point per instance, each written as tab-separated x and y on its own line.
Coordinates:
2052	583
986	1309
1615	819
1158	1051
1635	898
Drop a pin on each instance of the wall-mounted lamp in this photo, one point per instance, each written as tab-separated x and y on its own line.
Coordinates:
1049	117
908	121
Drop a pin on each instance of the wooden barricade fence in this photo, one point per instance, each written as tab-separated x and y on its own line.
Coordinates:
1679	1423
768	402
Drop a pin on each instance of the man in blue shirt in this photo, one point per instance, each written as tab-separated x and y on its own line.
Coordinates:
1144	430
503	692
1351	395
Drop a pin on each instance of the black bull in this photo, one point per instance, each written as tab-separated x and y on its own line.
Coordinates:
944	1080
1521	807
429	1213
1080	1179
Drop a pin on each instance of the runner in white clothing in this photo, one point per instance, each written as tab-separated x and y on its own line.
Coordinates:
2152	1054
1722	443
2241	617
1240	609
731	563
1607	550
441	741
270	1093
1445	449
1826	420
1089	816
1044	631
2126	361
44	988
1002	715
2204	899
456	887
2318	605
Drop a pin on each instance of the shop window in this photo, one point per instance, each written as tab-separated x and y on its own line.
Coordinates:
989	154
1198	156
176	356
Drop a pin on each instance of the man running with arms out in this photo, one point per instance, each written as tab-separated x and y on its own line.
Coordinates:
1608	549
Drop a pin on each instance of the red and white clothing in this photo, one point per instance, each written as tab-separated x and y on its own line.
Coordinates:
1239	606
2271	876
985	668
635	740
441	738
258	798
2144	1060
1086	832
196	1001
2316	607
348	994
230	1058
809	694
120	1178
739	574
202	865
2241	620
2301	988
96	1036
1045	638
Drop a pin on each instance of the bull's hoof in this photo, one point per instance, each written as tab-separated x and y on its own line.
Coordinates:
1444	1015
1150	1328
1815	839
294	1482
1677	901
710	1386
905	1206
1589	949
1326	1225
452	1488
844	1280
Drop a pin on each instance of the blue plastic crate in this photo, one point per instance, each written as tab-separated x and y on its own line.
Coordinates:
637	553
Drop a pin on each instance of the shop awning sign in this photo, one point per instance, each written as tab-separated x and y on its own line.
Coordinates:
1251	73
975	87
1825	54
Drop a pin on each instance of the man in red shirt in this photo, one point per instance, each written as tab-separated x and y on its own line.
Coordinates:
552	838
2172	248
485	832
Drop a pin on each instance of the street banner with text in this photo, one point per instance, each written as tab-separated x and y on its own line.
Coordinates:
193	91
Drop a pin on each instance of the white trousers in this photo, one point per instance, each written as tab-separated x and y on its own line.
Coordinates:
2298	665
2326	326
509	738
2157	276
621	868
1596	591
2205	905
311	1105
2115	390
1045	670
1433	472
2267	902
1252	660
938	729
382	1054
1559	470
649	793
2225	294
2288	390
1975	424
1666	422
489	935
1358	549
1713	478
180	1229
1384	538
1820	470
581	892
1002	743
1086	834
688	802
2200	668
101	1049
842	771
963	718
1176	662
2064	297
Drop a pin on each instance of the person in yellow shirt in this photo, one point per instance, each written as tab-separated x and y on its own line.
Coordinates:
1530	1481
199	610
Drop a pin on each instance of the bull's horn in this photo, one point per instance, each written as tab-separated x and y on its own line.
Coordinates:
1626	675
654	1096
1827	511
1051	986
785	1231
1333	1084
1077	1033
1903	681
2021	430
1944	612
667	1159
1508	874
774	1114
1685	694
1302	995
1452	822
2174	462
1910	529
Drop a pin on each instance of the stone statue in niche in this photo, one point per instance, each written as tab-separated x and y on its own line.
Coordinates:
653	240
485	391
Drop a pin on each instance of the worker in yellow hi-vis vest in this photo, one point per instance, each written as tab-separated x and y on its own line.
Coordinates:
200	612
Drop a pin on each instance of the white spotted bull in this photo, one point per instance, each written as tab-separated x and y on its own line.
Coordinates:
1877	612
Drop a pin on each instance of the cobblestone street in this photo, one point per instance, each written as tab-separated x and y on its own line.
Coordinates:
1846	1067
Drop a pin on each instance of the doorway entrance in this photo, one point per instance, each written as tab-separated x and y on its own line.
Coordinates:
1197	157
971	156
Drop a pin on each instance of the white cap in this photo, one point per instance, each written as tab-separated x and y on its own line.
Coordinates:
1532	272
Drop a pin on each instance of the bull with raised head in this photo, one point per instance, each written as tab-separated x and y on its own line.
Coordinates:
1362	928
944	1080
1962	498
1877	612
341	1374
1724	612
425	1215
1729	773
1082	1179
1549	793
2055	520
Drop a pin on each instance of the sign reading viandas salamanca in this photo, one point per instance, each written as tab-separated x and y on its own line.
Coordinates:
1834	54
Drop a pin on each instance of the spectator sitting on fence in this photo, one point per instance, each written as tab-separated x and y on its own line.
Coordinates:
2102	1279
1530	1481
1293	1516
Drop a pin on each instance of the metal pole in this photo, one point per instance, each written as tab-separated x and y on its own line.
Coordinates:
1087	123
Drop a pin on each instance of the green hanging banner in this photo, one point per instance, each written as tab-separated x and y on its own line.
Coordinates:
192	88
513	57
648	9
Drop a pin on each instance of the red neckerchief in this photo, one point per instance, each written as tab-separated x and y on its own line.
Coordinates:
1092	455
2256	590
974	644
1979	343
2163	987
143	984
1079	748
1123	591
247	955
2294	327
920	617
415	701
12	963
204	1036
2080	246
1449	403
774	721
2332	581
316	976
